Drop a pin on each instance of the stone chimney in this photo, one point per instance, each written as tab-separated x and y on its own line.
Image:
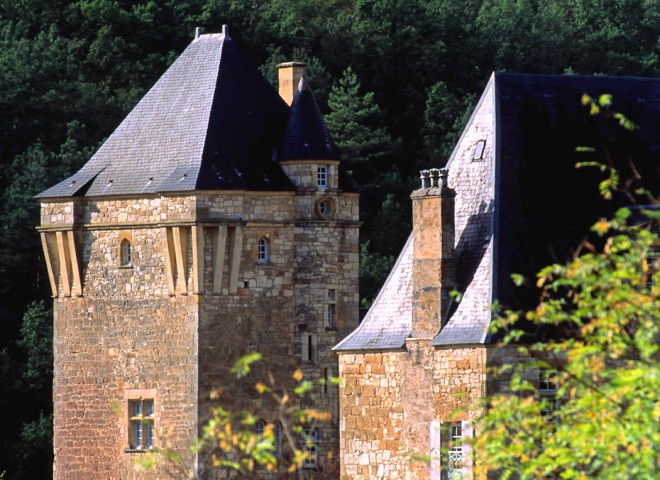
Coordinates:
434	264
289	75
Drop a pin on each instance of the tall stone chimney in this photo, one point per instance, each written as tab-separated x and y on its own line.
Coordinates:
434	264
289	75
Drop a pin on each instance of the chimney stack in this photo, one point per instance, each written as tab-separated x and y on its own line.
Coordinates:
289	74
434	264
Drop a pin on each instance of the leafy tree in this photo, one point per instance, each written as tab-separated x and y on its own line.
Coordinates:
231	441
606	371
602	306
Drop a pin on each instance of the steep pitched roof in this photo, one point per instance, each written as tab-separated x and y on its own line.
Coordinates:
211	122
306	136
522	204
546	205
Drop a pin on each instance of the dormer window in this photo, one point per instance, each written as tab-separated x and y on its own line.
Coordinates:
125	253
262	253
322	177
479	149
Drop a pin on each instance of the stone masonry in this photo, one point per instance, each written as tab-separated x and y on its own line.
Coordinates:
174	320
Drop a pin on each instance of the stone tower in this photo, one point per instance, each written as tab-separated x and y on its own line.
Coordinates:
209	225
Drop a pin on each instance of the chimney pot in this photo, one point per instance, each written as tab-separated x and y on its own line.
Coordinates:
225	30
424	176
444	178
434	177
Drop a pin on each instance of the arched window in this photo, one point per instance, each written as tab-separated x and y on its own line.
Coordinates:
125	253
259	427
262	256
278	439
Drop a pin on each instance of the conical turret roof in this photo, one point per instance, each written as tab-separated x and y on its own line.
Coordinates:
211	122
306	136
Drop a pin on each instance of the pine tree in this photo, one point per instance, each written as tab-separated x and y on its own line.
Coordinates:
356	125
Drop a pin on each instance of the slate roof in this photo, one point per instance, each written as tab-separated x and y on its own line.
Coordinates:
306	136
523	205
388	321
212	121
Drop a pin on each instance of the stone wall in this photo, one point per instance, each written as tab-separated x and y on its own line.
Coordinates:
122	335
171	323
389	399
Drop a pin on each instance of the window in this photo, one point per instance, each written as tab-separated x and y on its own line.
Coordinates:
309	344
450	450
327	378
325	208
278	439
322	177
311	448
262	255
125	253
548	393
479	150
260	427
455	451
141	424
331	309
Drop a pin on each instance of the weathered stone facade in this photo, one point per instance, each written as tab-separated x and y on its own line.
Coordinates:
186	242
176	318
418	364
390	400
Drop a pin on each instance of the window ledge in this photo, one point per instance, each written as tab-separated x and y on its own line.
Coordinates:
138	450
125	267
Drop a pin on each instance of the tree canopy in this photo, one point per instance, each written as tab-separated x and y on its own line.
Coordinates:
70	70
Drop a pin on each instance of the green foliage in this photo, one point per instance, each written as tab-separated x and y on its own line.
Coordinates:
230	440
37	342
445	116
242	367
606	369
70	70
373	269
356	125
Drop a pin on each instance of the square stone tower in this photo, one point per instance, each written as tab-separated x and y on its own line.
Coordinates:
211	224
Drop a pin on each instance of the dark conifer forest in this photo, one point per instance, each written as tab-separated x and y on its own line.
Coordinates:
396	80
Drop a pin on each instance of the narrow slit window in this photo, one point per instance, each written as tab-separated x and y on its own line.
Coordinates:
549	400
331	309
327	378
262	256
278	439
125	253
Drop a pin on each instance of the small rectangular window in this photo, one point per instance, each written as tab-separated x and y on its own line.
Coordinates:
479	150
549	400
311	448
322	177
141	423
331	308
